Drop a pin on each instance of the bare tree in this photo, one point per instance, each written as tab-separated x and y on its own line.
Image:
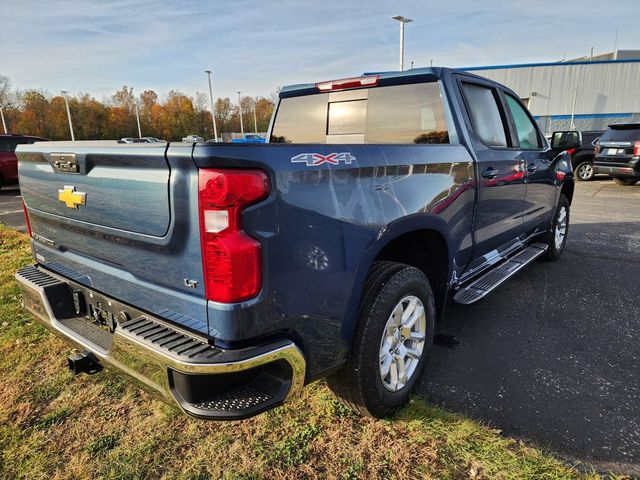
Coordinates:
124	98
6	97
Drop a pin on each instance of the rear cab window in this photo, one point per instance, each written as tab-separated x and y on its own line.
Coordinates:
397	114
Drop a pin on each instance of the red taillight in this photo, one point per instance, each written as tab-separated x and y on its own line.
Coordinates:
636	149
370	81
231	259
26	218
571	150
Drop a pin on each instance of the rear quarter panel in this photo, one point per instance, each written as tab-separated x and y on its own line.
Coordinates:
323	225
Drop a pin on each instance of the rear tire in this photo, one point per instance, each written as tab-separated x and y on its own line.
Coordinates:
584	171
557	236
393	336
625	181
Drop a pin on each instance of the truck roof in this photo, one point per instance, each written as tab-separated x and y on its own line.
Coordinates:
384	79
414	75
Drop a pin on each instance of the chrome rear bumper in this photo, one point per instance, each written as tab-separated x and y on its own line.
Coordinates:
184	369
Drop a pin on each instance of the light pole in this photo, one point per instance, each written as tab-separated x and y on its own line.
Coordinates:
213	114
135	102
4	125
255	120
573	110
402	21
240	110
66	102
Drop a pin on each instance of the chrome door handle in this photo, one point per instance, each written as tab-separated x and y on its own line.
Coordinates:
490	173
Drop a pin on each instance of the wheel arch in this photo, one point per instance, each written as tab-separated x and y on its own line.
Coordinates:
416	241
567	189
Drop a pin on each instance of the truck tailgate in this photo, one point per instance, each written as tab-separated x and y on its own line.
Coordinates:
125	223
111	187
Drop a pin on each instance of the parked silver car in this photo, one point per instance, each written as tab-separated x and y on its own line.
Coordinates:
193	138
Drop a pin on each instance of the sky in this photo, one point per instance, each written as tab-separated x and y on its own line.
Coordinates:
96	46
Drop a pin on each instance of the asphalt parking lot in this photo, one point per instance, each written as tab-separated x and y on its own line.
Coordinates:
554	354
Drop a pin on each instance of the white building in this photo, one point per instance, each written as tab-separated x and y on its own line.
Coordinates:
595	93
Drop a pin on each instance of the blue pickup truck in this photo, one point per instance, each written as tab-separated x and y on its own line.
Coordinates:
249	138
225	277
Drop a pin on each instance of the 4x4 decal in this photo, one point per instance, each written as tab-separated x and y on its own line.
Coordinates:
316	159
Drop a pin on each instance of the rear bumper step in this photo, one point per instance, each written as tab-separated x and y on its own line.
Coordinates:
491	280
184	369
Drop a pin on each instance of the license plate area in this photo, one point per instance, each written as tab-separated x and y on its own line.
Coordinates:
96	309
96	316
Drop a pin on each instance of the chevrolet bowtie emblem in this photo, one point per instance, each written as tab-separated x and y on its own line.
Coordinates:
71	198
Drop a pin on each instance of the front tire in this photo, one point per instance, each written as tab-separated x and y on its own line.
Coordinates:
557	236
394	334
584	171
625	181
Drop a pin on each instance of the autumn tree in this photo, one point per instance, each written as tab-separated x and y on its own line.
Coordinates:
149	114
224	110
90	119
264	110
35	112
179	116
148	99
57	126
34	108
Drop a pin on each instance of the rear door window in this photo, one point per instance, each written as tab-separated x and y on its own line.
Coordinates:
485	115
399	114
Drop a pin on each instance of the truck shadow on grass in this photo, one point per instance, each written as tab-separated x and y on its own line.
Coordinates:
553	356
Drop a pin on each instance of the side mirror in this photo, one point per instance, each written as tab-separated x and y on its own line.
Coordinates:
565	140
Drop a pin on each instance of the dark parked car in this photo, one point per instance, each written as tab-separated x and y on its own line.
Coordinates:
8	160
581	156
226	276
618	153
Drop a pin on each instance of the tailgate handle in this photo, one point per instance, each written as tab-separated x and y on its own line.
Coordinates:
64	162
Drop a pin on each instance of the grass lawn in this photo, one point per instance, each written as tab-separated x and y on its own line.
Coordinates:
53	425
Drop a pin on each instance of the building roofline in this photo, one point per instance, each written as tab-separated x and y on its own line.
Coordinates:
546	64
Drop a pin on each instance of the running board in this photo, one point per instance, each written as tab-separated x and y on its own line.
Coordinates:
481	287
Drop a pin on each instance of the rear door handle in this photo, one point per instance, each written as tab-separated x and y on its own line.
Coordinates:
532	167
490	173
